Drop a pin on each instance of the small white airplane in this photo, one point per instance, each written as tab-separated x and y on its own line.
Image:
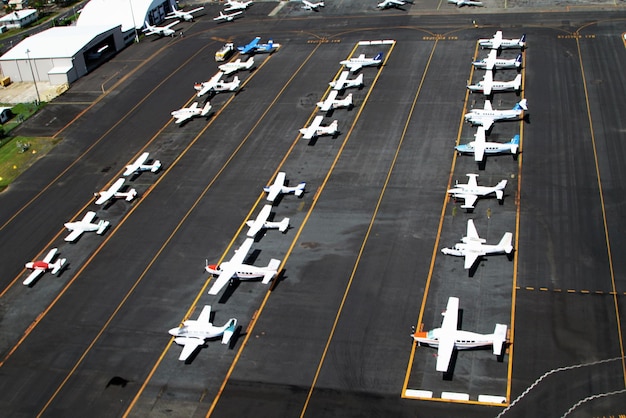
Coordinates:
114	192
237	65
480	147
223	86
472	247
385	4
193	333
85	225
261	222
492	62
209	85
235	268
332	102
498	43
227	17
187	16
308	5
139	165
461	3
160	30
487	85
448	337
237	5
278	187
471	191
487	116
315	129
355	64
187	113
343	83
41	266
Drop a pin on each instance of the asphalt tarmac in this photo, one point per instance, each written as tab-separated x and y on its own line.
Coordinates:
361	263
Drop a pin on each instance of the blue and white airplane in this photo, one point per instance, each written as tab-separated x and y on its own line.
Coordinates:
355	64
498	43
492	62
487	116
267	48
480	147
250	47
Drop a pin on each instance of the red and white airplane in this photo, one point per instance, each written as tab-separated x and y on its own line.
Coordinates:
41	266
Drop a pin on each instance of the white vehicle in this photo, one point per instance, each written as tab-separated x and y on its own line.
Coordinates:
192	111
278	187
193	333
206	86
488	116
385	4
41	266
448	337
160	30
498	43
343	83
114	192
224	52
332	102
237	5
309	5
461	3
261	222
315	129
226	17
139	165
355	64
85	225
471	191
480	147
472	247
187	16
487	85
236	269
237	65
492	62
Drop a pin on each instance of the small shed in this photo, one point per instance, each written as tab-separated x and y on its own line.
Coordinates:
19	18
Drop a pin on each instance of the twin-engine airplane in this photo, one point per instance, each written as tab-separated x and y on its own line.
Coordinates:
193	333
487	85
355	64
41	266
86	224
237	5
187	113
472	247
332	102
237	65
315	129
448	337
139	165
216	85
160	30
486	117
480	147
227	17
187	16
498	43
235	268
385	4
261	222
492	62
278	187
114	192
343	83
471	191
461	3
309	5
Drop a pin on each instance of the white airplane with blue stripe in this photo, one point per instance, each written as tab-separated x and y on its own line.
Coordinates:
471	191
355	64
498	43
487	116
492	62
480	147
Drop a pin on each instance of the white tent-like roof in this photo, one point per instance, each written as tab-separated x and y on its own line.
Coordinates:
116	12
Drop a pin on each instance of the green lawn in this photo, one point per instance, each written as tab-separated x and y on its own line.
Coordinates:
18	153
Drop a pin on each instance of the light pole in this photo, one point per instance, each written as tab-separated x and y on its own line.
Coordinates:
33	73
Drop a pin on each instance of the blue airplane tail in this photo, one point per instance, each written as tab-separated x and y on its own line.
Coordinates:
515	140
379	56
522	40
518	60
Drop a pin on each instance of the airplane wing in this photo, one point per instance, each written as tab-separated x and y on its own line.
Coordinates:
479	144
487	83
279	182
471	181
107	194
32	277
130	169
258	223
241	252
249	47
446	338
491	59
472	233
48	258
353	66
487	105
190	344
205	315
73	236
183	117
309	132
221	281
487	123
470	259
468	200
170	25
328	103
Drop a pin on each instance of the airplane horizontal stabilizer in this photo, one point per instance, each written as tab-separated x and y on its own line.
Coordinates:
499	338
300	189
283	225
229	331
506	243
272	268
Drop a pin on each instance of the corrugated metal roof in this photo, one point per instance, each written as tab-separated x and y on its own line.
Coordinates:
118	12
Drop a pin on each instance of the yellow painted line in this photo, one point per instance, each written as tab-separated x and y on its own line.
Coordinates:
602	205
442	215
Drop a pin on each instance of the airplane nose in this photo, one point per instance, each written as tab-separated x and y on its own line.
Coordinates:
174	332
29	265
211	268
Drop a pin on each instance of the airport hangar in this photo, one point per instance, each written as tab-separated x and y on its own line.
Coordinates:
63	54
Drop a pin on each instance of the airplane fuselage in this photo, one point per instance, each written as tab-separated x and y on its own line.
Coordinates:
478	191
244	272
495	86
490	148
194	330
476	115
499	64
463	340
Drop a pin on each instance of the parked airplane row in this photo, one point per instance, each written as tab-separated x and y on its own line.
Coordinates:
448	337
236	7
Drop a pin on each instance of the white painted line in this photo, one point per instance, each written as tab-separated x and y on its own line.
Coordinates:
455	396
491	399
416	393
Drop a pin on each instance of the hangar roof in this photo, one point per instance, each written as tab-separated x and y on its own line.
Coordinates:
57	42
116	12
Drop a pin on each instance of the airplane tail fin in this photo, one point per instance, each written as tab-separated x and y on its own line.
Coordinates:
521	105
131	194
283	225
156	166
359	80
231	325
517	83
272	268
379	56
518	61
499	338
102	226
515	144
348	99
522	41
57	265
505	243
236	81
334	126
206	109
300	189
500	189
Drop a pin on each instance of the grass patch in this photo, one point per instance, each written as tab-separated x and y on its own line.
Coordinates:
18	153
21	112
